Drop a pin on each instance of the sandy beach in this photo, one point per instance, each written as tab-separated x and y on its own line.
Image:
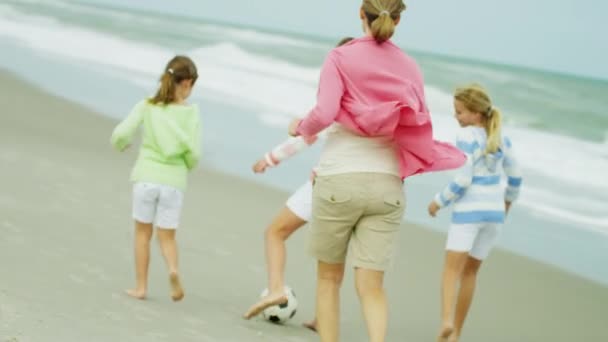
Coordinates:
66	256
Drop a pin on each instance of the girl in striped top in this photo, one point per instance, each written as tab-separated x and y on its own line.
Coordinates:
480	202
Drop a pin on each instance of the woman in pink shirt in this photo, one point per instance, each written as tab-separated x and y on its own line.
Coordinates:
371	100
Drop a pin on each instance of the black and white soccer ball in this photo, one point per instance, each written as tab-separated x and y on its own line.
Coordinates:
280	314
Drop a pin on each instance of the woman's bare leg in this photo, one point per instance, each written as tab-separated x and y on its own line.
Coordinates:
370	288
329	281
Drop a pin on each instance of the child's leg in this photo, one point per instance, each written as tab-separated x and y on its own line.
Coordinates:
454	264
145	197
283	225
465	295
143	234
460	241
168	247
484	242
167	219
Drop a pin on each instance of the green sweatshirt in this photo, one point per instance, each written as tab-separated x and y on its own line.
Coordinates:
171	142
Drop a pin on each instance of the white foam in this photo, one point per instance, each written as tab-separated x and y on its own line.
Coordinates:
587	211
586	222
49	36
253	36
479	72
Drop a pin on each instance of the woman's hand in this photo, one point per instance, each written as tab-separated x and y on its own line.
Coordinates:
260	166
293	127
433	208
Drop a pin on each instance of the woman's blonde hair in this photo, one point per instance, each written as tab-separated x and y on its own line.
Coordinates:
475	99
381	16
179	68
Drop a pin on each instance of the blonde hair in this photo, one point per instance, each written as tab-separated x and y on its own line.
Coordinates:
381	16
475	99
179	68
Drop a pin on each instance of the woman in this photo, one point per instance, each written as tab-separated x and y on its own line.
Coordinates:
371	96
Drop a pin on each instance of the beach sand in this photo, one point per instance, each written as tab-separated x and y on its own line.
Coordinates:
66	256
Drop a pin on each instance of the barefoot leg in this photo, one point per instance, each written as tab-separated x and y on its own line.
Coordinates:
143	234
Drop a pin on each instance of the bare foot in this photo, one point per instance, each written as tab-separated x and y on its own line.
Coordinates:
268	301
177	292
445	332
454	337
311	325
137	294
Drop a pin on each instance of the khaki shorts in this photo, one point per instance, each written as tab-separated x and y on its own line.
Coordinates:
363	210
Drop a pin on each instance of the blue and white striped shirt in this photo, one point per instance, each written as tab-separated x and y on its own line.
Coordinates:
476	191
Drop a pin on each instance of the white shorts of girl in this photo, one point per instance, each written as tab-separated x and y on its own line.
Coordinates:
477	239
158	204
300	202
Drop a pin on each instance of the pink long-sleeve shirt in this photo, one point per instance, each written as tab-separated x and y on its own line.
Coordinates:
378	90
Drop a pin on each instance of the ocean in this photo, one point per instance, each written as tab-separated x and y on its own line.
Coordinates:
253	81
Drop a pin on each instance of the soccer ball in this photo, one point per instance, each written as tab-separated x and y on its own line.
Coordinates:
280	314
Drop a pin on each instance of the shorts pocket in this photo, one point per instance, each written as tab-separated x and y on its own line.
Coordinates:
395	200
336	196
394	207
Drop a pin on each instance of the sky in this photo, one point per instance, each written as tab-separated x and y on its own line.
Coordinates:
567	36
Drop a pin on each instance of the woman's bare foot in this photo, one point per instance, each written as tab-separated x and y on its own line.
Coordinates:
177	292
311	325
137	294
454	337
268	301
445	332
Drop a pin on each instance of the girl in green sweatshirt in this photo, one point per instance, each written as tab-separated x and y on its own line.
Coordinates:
170	147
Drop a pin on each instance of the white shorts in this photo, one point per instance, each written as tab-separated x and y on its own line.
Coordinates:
477	239
158	204
300	202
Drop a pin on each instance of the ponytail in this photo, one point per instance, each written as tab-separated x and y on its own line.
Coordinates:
383	27
493	127
166	91
382	16
179	69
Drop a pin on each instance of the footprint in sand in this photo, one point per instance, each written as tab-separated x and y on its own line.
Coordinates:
256	269
195	321
197	334
77	279
17	240
114	316
222	252
156	335
141	310
95	271
11	226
